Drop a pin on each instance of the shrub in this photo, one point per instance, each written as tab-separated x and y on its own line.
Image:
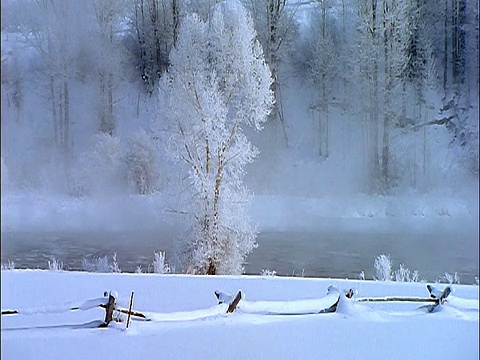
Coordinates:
403	274
361	276
99	169
159	264
267	272
383	268
451	279
55	265
114	267
101	265
140	160
10	265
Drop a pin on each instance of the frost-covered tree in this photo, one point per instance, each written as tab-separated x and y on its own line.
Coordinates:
218	84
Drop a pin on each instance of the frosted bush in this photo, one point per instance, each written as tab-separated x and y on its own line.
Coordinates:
267	272
451	279
403	274
101	265
361	276
302	274
55	265
139	270
383	268
159	264
140	160
10	265
99	169
96	265
114	267
476	280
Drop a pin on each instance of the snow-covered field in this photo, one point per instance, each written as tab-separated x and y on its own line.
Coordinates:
193	326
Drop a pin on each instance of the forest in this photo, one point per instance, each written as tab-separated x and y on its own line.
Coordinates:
218	100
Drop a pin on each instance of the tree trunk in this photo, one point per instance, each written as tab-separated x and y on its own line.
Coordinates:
66	140
388	106
111	117
54	110
176	20
445	50
61	112
375	122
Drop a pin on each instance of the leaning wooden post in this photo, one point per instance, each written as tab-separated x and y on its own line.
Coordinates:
129	311
109	308
233	305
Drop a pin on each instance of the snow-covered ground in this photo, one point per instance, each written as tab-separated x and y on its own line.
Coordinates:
194	326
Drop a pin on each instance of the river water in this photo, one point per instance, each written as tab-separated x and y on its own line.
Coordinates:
335	254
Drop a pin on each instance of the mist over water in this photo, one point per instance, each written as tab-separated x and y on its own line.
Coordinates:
337	237
331	254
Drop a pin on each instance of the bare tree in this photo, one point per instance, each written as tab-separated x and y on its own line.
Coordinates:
274	23
395	32
368	70
156	25
108	14
52	33
323	73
